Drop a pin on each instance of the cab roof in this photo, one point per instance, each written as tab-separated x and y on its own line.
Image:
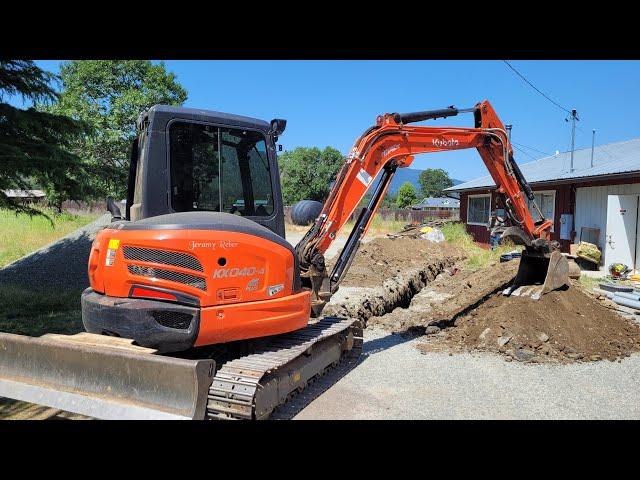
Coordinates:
162	114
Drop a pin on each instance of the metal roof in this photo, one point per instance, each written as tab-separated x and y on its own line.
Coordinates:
24	193
609	159
438	202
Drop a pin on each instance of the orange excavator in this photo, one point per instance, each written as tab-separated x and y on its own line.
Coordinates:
199	308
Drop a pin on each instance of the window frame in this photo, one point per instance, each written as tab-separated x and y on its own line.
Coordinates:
479	195
219	126
553	212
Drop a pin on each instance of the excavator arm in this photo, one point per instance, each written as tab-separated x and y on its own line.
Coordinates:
390	144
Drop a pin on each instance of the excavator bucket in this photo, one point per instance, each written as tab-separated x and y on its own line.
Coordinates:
102	377
539	274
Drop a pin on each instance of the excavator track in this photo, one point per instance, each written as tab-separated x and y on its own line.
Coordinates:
252	386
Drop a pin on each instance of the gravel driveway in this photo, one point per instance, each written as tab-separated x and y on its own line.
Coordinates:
396	381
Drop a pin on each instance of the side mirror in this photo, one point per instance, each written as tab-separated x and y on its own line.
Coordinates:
278	126
114	210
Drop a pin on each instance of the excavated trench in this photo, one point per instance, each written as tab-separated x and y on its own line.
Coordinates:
414	299
462	309
387	274
396	292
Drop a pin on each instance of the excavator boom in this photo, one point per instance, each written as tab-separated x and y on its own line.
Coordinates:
390	144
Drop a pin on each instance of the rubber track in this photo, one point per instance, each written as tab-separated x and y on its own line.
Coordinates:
252	386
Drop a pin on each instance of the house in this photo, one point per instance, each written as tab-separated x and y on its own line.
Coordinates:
436	204
25	196
597	199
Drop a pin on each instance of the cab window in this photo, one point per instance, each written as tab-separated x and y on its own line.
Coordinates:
219	169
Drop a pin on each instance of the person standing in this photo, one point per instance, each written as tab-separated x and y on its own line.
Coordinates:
496	227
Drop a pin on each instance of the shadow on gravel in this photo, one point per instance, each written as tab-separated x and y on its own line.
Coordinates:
377	345
321	385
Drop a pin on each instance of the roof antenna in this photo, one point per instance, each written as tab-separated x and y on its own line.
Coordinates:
574	117
593	142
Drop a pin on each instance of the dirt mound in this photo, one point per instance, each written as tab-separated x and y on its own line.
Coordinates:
384	258
563	326
452	292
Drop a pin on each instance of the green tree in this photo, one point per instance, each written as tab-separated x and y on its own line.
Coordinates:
307	173
109	96
35	146
433	181
406	195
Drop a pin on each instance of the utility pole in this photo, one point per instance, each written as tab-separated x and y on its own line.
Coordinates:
574	117
593	143
508	127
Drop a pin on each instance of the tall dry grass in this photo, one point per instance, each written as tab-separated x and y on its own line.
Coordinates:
456	234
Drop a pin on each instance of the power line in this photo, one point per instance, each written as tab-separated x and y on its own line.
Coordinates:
536	88
531	148
521	150
603	147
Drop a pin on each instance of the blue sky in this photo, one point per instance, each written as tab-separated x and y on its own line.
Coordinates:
332	102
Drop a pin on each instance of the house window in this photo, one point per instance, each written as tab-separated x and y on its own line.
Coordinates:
478	209
546	200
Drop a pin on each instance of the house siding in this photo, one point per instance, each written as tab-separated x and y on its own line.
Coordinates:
478	232
586	200
591	207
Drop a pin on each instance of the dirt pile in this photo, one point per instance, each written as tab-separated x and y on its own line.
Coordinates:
563	326
383	258
449	294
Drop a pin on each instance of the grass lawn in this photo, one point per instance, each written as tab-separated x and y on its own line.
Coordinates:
21	234
26	312
22	310
35	313
590	282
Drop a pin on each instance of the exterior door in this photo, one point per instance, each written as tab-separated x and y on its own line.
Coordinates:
621	235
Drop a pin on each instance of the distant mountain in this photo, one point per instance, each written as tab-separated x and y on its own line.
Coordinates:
409	175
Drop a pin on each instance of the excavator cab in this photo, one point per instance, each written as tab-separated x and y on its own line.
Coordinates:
200	257
189	160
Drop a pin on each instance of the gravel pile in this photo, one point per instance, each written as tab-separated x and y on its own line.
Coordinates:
60	266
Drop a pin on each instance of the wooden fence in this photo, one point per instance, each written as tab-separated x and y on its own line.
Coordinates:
401	214
390	214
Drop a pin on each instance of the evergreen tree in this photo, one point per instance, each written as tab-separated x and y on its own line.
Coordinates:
35	145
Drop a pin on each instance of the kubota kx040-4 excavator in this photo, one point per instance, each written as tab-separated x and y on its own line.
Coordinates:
200	264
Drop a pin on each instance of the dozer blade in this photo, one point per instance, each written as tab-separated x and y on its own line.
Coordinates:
539	274
102	377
